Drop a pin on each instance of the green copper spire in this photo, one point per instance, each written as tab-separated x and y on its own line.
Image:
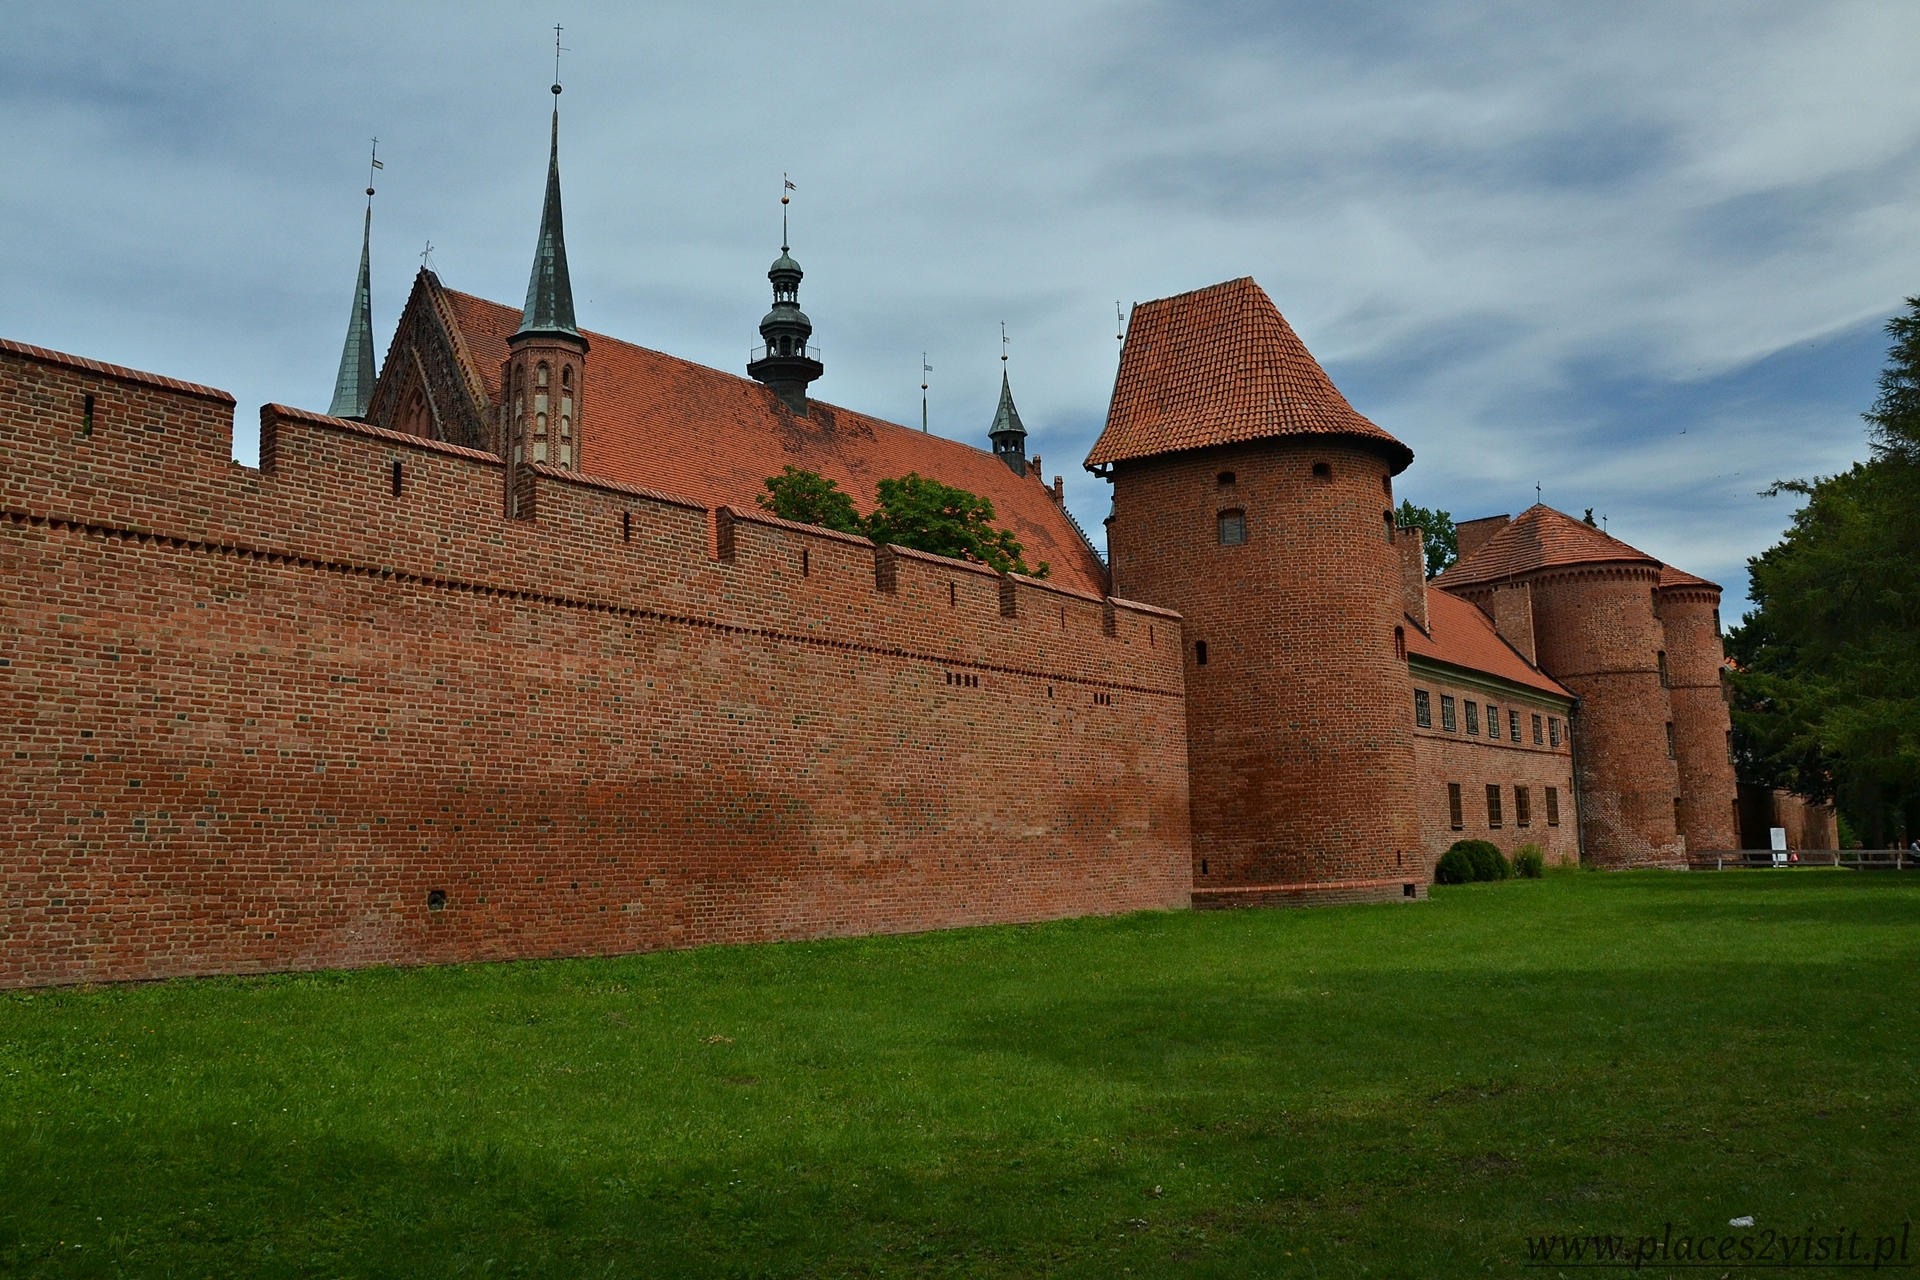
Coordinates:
353	388
549	306
1008	436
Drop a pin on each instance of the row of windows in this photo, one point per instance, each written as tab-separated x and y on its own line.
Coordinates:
1496	810
1547	730
562	449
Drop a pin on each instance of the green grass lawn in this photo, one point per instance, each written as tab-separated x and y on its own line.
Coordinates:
1400	1090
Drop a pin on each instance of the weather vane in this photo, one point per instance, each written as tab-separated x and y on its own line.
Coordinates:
556	59
786	185
925	369
1119	322
373	164
1003	343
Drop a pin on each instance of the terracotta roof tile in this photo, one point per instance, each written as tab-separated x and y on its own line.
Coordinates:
1539	538
668	424
1672	577
1219	366
1463	636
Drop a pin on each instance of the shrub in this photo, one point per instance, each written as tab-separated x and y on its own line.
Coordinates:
1529	862
1488	862
1454	867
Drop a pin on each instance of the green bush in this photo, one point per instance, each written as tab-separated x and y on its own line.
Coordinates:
1488	862
1529	862
1454	867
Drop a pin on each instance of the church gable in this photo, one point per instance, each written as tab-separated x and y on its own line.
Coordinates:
429	385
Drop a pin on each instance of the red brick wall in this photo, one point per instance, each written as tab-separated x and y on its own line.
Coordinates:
1709	803
256	718
1299	741
1476	761
1596	633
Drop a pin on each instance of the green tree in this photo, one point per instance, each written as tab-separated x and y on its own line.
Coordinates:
1827	679
929	516
810	498
1443	544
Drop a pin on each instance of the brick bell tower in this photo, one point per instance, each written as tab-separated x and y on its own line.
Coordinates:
543	380
1252	498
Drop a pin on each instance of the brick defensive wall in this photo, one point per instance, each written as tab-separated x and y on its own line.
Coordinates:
341	711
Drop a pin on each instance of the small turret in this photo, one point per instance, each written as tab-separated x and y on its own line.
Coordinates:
784	361
1008	436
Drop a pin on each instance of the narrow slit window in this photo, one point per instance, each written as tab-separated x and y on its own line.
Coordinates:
626	526
1400	644
1233	528
397	478
86	416
1200	653
1386	518
1665	681
1455	810
1671	754
806	562
953	595
1422	709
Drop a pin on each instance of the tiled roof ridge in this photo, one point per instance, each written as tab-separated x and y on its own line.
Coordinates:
1462	635
46	355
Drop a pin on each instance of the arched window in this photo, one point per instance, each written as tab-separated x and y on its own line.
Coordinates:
1233	528
1386	485
540	376
566	375
1665	681
1386	518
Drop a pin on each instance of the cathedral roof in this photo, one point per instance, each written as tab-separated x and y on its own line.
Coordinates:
1540	538
664	423
1461	635
1220	366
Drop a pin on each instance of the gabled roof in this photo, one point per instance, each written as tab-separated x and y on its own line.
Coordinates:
1221	366
1462	635
665	423
1540	538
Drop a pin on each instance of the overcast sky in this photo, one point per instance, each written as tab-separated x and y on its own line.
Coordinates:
1636	254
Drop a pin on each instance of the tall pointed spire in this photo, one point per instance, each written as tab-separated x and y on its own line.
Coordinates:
353	385
1008	436
549	306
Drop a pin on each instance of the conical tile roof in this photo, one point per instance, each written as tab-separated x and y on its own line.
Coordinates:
1540	538
1006	419
1221	366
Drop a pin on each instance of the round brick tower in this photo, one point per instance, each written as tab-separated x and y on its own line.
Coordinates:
1249	496
1597	630
1703	731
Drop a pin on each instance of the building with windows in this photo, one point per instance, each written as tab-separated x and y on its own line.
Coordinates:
500	658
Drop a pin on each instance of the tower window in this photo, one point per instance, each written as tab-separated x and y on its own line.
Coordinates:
1538	736
1447	718
1400	644
1422	709
566	375
1493	805
566	417
1322	473
1233	528
540	375
1386	518
1670	744
1226	478
1386	485
1200	653
1473	718
1665	683
1455	810
1553	806
1522	807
